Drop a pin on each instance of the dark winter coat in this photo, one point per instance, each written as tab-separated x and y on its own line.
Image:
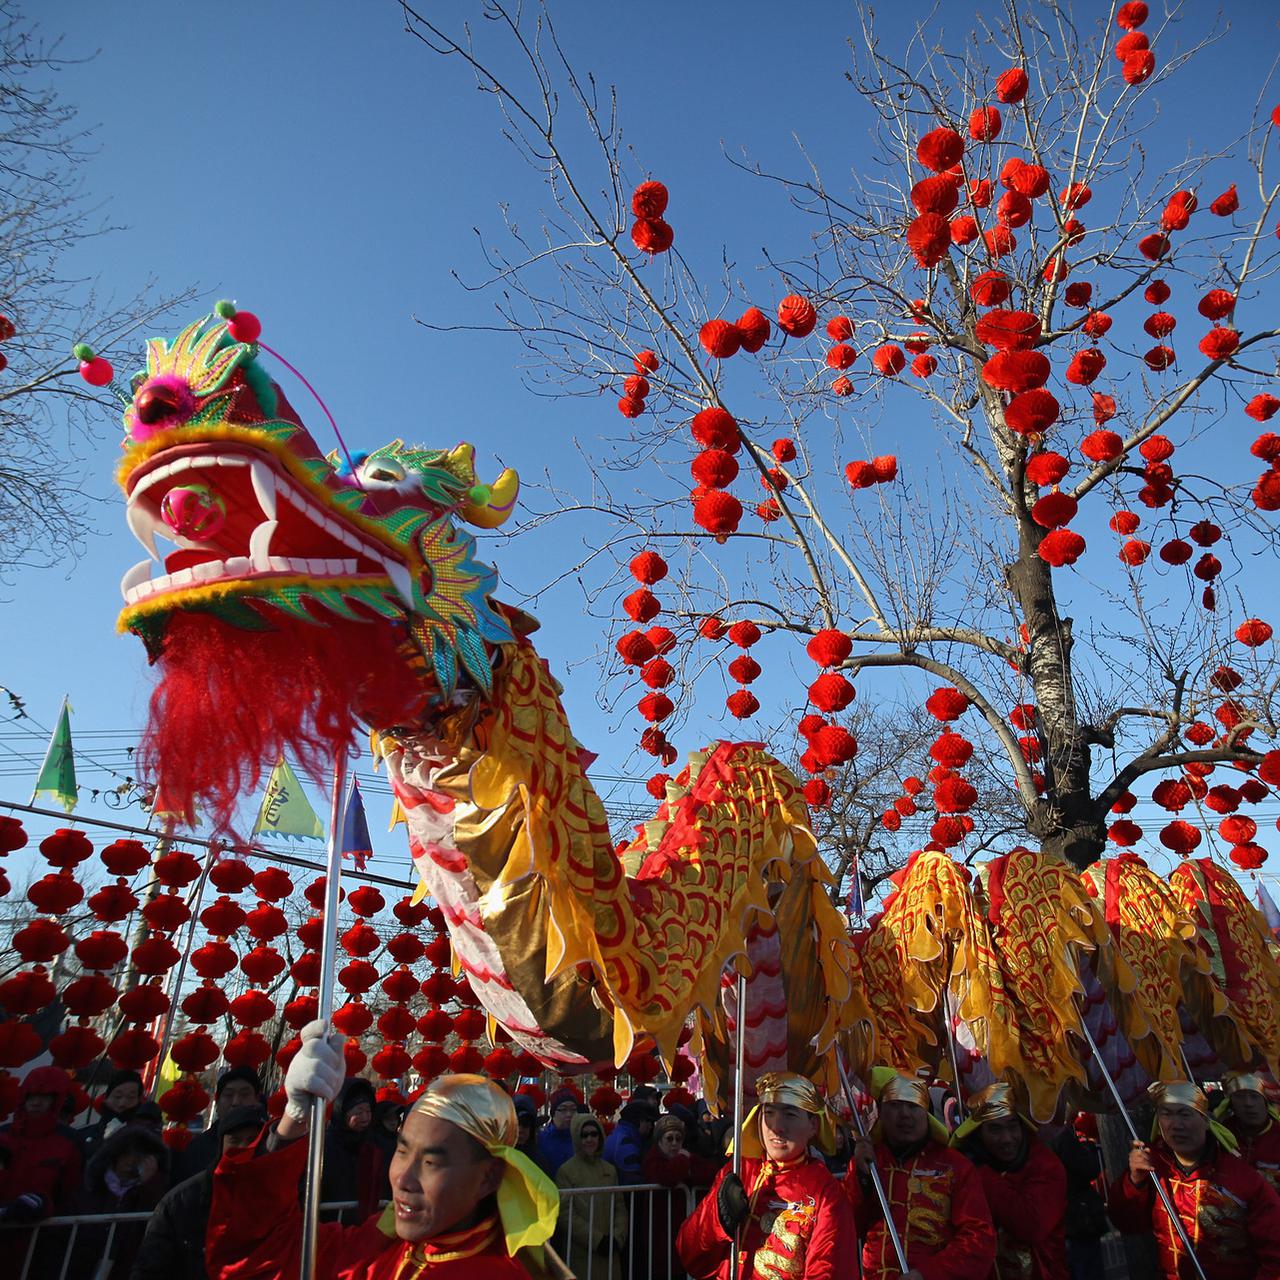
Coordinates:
173	1247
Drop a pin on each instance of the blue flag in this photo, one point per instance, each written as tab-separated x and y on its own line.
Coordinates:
355	829
1267	905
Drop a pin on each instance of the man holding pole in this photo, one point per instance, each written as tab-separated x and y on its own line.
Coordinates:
934	1195
785	1213
1227	1213
464	1202
1024	1183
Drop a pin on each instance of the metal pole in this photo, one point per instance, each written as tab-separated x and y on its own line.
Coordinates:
739	1089
881	1195
945	994
324	1010
1160	1187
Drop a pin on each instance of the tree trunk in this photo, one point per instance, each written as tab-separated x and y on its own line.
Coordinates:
1066	820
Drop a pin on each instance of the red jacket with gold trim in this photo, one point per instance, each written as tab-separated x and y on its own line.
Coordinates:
1029	1208
938	1208
799	1227
1231	1216
255	1233
1261	1150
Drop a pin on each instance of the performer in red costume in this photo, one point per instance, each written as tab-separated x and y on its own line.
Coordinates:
1230	1214
791	1219
464	1202
934	1193
1025	1186
1253	1122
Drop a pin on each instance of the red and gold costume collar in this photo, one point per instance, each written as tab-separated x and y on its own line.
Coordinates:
452	1246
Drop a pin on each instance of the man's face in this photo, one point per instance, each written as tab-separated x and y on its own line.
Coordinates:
124	1097
237	1093
38	1104
562	1116
439	1175
644	1128
1183	1128
903	1123
1250	1108
524	1130
238	1138
786	1131
1002	1138
359	1117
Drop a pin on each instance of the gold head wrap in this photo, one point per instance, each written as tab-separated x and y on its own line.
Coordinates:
787	1089
528	1200
1186	1093
996	1102
1179	1093
1243	1082
1246	1082
888	1085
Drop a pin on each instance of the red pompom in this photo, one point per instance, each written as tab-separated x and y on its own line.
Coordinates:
649	200
889	360
720	339
796	316
990	289
1012	85
753	329
929	239
1226	204
1061	547
652	235
940	149
1032	413
713	428
1047	467
946	704
718	513
744	634
1016	371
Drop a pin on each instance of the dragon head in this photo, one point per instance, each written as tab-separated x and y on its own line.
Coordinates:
264	527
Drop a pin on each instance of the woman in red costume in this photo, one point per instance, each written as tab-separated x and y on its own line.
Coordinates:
787	1211
1229	1213
1024	1183
934	1193
465	1204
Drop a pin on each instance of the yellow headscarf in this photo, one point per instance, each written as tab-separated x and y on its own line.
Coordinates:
528	1200
787	1089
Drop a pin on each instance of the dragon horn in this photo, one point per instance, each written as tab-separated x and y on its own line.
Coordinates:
492	504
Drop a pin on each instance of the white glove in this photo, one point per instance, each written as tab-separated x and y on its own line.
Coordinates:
317	1070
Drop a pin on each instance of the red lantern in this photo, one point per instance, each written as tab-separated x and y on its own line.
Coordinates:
206	1003
353	1018
26	993
144	1003
113	902
89	995
40	941
262	964
65	848
75	1048
231	875
155	955
176	869
133	1049
125	857
166	912
252	1008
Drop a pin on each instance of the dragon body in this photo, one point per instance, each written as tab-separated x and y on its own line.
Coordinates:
308	597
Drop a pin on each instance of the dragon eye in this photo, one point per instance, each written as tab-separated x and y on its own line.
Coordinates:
382	471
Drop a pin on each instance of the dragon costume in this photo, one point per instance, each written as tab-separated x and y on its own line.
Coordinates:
308	597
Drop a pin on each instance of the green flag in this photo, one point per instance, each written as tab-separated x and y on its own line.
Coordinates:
57	779
285	810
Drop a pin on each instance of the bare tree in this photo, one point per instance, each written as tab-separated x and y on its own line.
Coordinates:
958	271
48	414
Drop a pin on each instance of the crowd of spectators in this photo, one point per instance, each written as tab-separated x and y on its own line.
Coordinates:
121	1165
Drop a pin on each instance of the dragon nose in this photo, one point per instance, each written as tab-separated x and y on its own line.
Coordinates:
156	403
193	511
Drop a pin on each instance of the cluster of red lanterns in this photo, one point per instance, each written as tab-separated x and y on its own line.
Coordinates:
7	330
828	745
650	232
953	794
647	651
1137	62
635	387
713	469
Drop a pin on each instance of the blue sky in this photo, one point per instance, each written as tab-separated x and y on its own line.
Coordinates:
321	167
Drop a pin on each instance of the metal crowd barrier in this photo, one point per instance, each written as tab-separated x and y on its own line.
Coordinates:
649	1217
643	1206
